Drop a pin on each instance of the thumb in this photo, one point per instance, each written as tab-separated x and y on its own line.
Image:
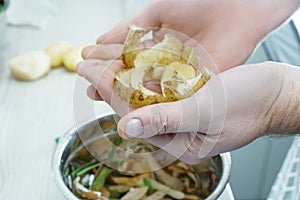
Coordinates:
146	18
162	118
203	112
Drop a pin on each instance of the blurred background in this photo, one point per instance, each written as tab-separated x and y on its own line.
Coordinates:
33	114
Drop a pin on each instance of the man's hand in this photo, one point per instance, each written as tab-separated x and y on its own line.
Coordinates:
228	30
235	107
231	110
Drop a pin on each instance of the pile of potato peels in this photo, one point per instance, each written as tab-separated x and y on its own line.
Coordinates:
115	176
168	64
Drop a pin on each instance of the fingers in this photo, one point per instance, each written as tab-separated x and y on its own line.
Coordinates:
160	119
178	145
147	18
101	75
93	93
190	148
109	51
102	52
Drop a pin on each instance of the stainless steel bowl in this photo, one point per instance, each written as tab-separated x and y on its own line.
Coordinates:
2	15
94	130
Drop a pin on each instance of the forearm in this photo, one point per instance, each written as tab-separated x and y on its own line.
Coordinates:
285	112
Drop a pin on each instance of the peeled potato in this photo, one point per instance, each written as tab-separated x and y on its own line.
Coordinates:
56	52
168	63
72	58
30	66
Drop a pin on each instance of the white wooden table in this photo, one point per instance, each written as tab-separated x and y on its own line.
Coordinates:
33	114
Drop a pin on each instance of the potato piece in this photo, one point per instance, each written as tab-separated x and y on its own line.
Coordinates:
84	192
72	58
185	89
164	53
197	83
139	98
154	73
119	188
185	70
131	45
56	52
133	166
191	197
170	50
170	81
163	176
137	76
174	87
105	192
135	193
147	57
156	196
189	57
136	97
30	66
176	194
130	180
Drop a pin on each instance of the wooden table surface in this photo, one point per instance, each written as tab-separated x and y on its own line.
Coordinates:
33	114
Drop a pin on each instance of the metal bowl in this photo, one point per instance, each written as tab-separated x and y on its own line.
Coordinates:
94	131
2	15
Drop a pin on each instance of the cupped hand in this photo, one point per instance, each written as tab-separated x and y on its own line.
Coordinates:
231	110
218	26
224	28
228	30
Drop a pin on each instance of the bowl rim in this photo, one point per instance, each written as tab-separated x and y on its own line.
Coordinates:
5	6
65	138
58	152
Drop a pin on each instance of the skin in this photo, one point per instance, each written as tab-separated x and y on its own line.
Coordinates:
228	30
258	99
265	100
218	28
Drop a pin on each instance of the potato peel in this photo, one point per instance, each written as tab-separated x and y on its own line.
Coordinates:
189	57
137	96
131	45
163	53
168	62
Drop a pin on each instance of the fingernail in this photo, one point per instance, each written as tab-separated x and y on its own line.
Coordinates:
134	128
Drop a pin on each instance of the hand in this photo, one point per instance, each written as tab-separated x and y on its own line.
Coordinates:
228	30
229	33
234	108
216	27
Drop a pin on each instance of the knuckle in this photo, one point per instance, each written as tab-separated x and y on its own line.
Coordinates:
158	119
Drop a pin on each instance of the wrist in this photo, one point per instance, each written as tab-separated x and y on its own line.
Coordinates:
262	17
284	115
273	13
